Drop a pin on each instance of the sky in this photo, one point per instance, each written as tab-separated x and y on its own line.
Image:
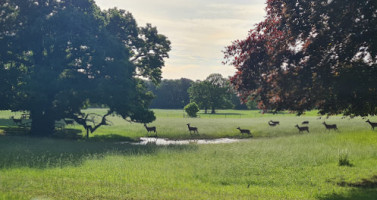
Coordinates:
199	30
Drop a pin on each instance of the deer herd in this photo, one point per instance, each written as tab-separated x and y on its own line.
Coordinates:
271	123
193	130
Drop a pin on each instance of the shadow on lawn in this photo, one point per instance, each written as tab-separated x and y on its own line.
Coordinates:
66	133
364	189
43	153
111	137
354	194
6	122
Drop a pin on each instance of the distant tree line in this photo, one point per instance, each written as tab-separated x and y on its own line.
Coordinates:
170	94
214	92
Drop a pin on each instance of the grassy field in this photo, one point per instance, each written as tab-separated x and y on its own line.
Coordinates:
277	163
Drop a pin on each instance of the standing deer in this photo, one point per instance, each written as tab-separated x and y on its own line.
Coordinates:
330	126
247	131
301	129
192	128
16	121
372	124
150	129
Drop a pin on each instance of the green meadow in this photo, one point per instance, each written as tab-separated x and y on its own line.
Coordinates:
276	163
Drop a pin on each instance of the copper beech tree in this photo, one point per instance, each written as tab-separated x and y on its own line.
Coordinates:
310	55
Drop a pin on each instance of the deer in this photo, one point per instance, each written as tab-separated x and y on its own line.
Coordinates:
305	122
150	129
247	131
274	122
69	121
192	128
330	126
303	128
16	121
372	124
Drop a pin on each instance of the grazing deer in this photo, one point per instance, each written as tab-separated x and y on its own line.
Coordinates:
150	129
247	131
192	128
301	129
373	124
274	122
330	126
69	121
305	122
16	121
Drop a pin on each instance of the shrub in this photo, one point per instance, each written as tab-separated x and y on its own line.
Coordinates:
192	109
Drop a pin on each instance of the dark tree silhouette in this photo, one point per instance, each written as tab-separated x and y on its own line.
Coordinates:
56	57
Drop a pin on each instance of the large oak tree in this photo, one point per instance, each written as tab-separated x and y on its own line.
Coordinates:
310	55
57	56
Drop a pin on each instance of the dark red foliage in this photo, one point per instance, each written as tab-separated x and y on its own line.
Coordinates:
303	54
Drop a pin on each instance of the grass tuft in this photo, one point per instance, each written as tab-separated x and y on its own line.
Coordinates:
343	159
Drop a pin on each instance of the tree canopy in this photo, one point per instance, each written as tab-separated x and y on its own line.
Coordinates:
59	55
212	93
310	55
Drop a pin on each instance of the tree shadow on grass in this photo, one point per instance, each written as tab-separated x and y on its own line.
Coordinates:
364	189
354	194
44	153
6	122
14	131
66	133
111	137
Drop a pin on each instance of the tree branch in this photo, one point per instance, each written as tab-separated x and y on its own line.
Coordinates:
83	120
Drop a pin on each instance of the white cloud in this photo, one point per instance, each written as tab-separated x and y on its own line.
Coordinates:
199	30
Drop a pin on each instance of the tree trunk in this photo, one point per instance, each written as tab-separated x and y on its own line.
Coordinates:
213	110
42	124
205	110
87	132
